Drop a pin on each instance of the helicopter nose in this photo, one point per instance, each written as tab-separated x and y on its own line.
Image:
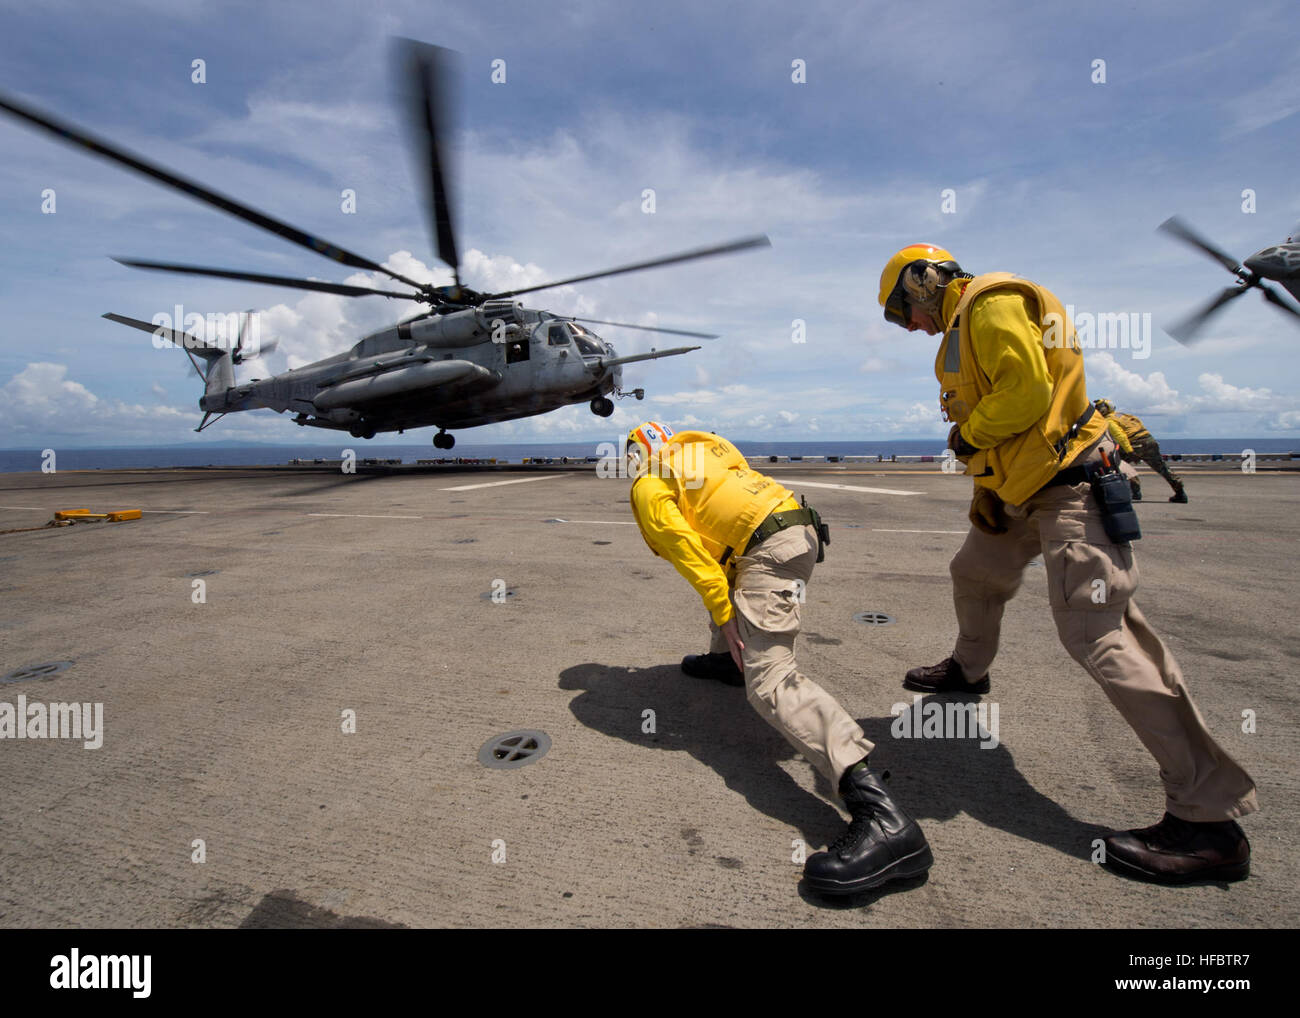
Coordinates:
1264	261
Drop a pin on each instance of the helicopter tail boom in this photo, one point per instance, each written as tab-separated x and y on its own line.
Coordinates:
218	372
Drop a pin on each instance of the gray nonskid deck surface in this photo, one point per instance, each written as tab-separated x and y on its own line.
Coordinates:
327	593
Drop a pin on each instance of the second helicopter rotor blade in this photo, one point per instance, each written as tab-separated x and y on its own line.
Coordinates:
645	328
427	83
686	256
1273	298
1177	228
343	289
1186	328
100	147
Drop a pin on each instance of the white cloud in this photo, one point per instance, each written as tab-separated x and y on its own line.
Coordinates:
1288	420
1220	397
1150	393
41	403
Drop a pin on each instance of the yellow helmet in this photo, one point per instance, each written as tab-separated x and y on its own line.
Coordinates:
1104	407
643	442
651	434
920	285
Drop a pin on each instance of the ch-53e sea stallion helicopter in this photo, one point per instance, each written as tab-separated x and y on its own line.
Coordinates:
1280	263
472	358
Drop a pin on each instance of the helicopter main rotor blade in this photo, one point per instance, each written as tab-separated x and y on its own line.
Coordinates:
1175	227
644	328
1185	329
1273	298
76	136
343	289
428	82
686	256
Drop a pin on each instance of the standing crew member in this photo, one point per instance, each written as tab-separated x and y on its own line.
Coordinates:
1131	435
1037	452
748	549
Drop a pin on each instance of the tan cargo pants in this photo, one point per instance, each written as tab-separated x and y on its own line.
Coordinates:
1091	583
770	585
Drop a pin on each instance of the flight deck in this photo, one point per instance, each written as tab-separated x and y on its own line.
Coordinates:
300	673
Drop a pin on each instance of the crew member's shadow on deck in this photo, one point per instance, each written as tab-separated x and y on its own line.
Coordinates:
932	778
938	778
712	722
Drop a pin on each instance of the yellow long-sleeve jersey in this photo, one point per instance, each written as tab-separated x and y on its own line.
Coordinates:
700	503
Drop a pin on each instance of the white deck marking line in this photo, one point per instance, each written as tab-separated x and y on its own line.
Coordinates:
497	484
612	523
846	487
878	530
33	508
363	516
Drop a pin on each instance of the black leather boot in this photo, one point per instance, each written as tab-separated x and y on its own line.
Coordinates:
713	666
882	843
1178	851
945	677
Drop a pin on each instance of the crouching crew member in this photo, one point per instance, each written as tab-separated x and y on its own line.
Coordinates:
748	549
1139	446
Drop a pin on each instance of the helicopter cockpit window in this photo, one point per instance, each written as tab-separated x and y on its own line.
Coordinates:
558	335
588	345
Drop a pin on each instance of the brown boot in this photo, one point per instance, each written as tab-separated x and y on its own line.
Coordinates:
945	677
1178	851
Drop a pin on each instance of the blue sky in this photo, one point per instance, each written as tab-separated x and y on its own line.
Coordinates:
1054	175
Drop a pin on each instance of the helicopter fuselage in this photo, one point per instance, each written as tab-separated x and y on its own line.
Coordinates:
449	369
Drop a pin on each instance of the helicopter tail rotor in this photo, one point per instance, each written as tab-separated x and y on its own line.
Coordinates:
259	349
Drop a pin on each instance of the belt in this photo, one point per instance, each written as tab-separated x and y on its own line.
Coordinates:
1070	475
775	522
779	521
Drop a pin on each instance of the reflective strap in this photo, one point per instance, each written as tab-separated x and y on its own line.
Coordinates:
952	353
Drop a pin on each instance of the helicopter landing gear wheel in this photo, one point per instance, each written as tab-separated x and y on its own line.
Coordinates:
442	440
362	430
602	407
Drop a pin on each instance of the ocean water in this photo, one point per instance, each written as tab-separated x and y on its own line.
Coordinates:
203	454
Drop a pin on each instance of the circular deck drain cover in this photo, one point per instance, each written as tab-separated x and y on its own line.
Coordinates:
514	749
874	618
42	671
